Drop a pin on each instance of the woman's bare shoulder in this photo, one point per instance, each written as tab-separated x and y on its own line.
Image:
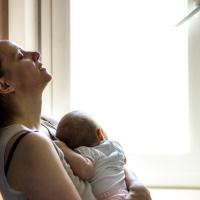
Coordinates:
32	148
36	168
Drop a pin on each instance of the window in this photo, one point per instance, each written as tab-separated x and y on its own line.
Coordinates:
129	68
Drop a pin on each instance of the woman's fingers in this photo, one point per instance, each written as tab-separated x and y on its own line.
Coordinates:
138	193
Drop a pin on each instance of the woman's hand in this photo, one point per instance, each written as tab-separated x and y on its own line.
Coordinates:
137	191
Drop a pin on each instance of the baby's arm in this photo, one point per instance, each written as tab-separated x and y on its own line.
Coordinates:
81	166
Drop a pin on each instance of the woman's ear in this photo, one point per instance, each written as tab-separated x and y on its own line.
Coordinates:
5	87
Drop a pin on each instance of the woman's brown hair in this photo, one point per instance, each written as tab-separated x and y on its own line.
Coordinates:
5	107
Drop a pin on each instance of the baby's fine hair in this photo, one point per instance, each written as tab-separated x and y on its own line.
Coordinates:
77	129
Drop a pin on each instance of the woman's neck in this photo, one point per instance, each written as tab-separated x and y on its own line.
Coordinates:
29	112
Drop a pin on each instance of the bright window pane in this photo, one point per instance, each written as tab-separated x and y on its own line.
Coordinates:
129	69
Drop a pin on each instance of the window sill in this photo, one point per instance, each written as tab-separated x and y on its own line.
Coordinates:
174	194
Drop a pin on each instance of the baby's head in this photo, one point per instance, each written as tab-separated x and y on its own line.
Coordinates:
77	129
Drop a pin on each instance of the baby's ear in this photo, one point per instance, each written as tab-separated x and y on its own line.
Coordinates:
5	87
100	134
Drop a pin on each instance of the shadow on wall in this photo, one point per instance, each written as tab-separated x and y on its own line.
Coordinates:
3	19
3	26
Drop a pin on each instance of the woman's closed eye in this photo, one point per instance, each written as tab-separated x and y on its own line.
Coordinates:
20	56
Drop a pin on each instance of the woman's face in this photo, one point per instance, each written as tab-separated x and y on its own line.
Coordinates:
23	69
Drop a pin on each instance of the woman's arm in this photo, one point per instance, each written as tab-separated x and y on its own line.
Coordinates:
37	170
136	189
81	166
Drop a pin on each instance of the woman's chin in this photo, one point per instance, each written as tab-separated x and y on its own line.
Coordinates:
47	76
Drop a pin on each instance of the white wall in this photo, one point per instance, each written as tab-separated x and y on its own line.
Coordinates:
194	78
23	23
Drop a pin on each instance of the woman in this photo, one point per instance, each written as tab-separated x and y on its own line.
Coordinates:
34	166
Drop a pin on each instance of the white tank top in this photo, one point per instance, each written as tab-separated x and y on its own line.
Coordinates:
83	187
5	135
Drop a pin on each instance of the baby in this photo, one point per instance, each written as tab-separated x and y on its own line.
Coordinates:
94	158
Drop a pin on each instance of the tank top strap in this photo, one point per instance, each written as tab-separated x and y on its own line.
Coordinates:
6	134
13	148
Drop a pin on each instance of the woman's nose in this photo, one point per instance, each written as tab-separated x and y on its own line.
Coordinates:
36	56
